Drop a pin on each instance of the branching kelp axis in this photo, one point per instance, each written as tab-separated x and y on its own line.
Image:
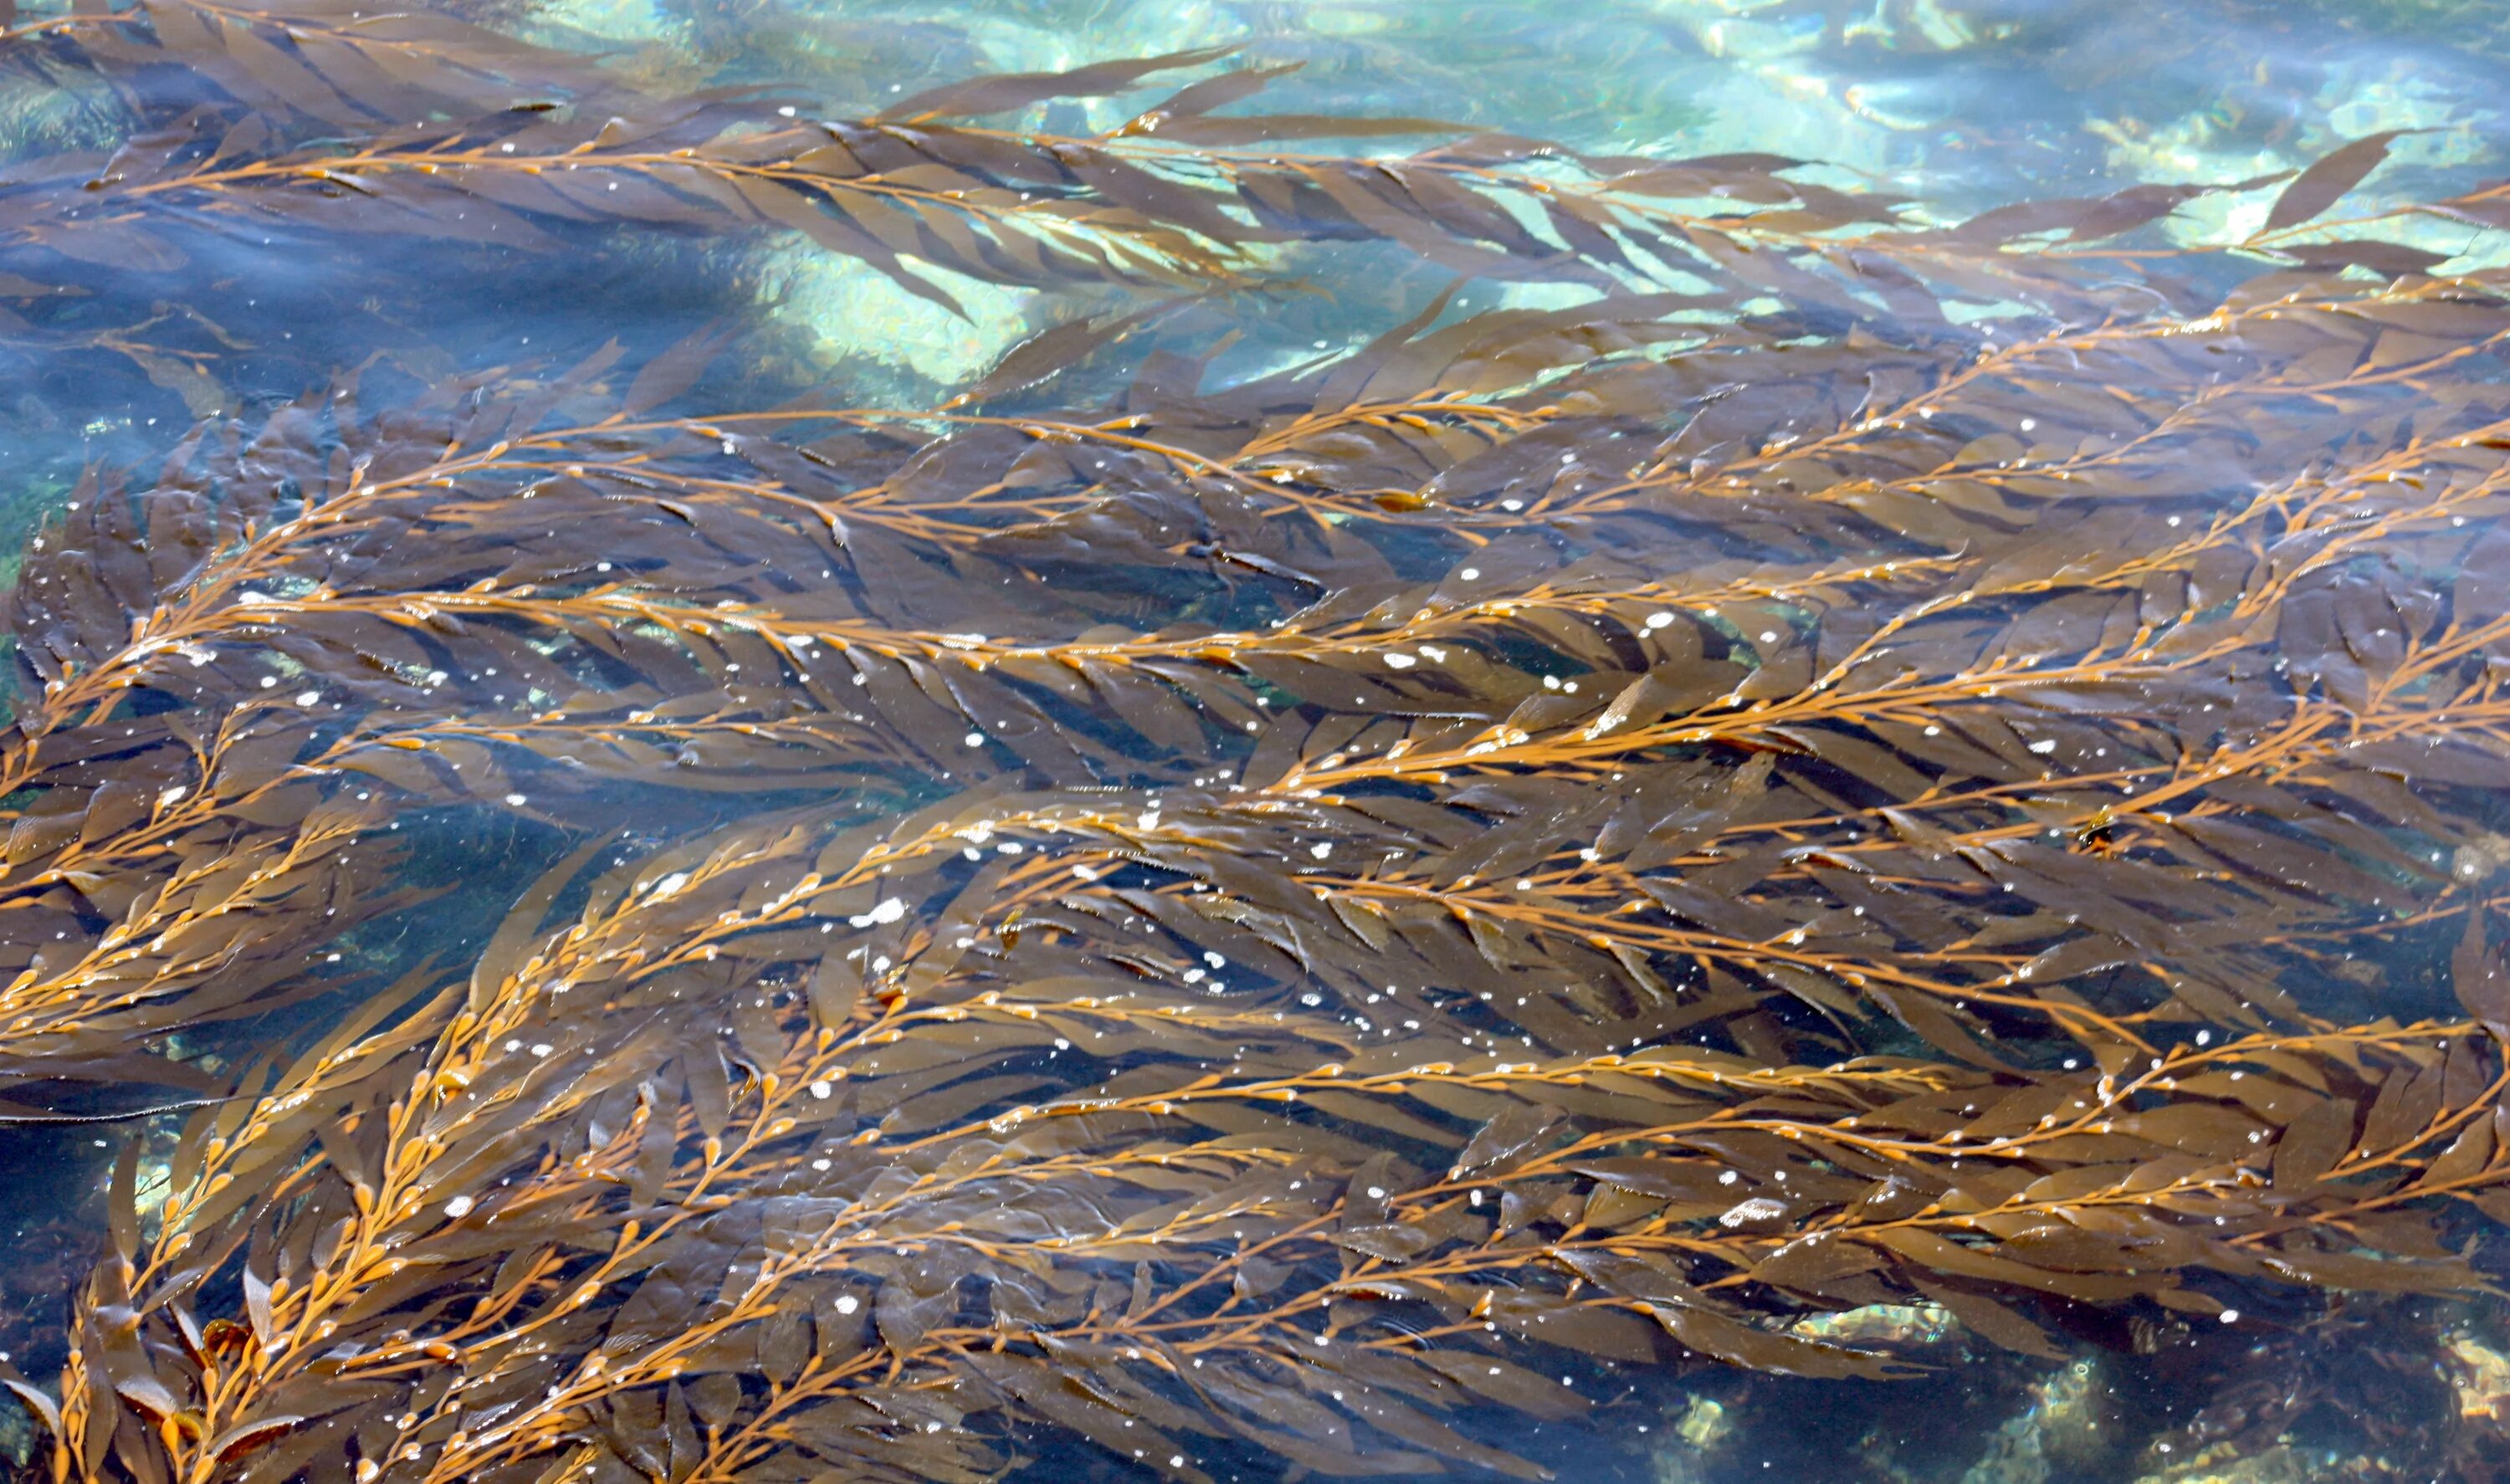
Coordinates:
1251	918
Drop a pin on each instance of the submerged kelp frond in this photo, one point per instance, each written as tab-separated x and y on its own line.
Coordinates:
423	127
1262	913
839	1218
1173	195
330	61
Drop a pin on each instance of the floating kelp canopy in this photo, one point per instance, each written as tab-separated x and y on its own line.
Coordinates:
1864	760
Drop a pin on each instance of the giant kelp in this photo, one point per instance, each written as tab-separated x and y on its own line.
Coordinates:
1259	910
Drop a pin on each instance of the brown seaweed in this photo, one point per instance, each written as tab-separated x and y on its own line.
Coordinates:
1263	913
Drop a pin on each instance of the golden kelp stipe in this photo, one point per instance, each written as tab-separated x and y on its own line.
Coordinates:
1912	764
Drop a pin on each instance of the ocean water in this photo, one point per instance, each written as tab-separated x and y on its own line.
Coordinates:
1959	107
1952	109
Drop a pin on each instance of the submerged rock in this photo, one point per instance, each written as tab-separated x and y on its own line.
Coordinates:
2282	1463
2480	1375
617	21
2236	137
47	110
19	1433
2053	1437
1702	1429
844	311
1881	1324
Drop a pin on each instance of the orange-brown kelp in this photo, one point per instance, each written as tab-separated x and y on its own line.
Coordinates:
1254	914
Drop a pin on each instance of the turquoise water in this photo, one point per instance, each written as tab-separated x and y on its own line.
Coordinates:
1955	108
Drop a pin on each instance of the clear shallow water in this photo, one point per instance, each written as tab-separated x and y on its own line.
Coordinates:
1959	108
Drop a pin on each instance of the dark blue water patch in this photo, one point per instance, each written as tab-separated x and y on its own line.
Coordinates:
259	312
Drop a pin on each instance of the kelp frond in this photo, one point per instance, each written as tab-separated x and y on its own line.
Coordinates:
1261	914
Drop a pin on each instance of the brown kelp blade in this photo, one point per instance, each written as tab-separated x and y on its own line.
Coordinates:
1272	912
